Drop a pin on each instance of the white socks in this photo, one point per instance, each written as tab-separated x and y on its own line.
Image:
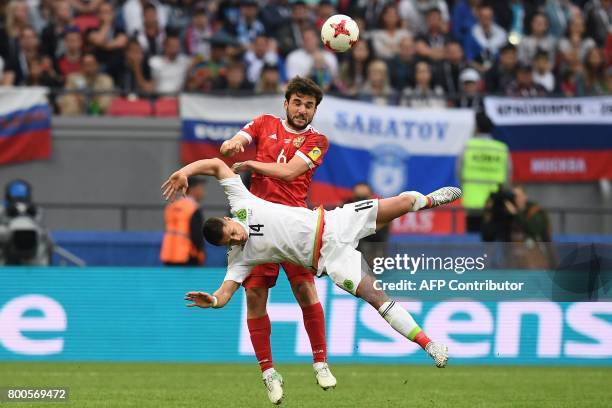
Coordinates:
399	319
420	201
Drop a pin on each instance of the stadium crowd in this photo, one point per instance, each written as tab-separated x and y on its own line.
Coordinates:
418	53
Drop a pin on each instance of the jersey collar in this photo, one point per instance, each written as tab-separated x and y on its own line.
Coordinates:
297	132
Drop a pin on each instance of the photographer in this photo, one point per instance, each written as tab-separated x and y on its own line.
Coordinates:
510	217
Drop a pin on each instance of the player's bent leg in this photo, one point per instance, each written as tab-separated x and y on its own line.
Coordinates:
257	299
305	292
258	322
394	207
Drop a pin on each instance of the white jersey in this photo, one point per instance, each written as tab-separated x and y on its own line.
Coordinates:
277	233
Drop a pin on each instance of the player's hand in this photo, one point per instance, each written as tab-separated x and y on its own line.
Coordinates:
241	166
231	147
200	299
175	185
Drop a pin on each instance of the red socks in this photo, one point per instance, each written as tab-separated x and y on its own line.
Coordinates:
314	323
260	329
421	339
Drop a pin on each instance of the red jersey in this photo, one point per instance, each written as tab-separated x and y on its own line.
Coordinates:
276	142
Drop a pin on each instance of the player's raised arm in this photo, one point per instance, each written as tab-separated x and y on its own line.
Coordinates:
283	171
177	182
234	145
217	300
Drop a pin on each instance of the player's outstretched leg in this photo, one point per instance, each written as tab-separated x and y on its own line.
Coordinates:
409	201
401	320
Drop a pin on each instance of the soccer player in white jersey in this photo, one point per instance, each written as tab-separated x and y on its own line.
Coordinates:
325	241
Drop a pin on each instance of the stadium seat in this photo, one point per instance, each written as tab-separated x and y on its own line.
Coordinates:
127	107
86	22
166	107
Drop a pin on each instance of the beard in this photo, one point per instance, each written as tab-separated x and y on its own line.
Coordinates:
294	125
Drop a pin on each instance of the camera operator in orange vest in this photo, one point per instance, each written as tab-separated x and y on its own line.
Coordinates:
183	243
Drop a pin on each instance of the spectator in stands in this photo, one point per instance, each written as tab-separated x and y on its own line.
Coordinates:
325	9
205	72
485	40
542	72
575	44
109	40
289	35
169	69
179	14
448	71
431	44
132	73
559	13
133	15
598	15
199	33
183	243
353	70
321	72
402	65
28	67
274	14
523	85
503	72
301	61
538	40
377	89
269	80
414	13
262	51
52	39
234	81
41	14
88	80
85	6
424	94
70	61
248	26
592	81
152	36
371	12
386	39
464	18
17	18
469	96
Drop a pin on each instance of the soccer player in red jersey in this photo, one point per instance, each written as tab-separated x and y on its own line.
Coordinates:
288	151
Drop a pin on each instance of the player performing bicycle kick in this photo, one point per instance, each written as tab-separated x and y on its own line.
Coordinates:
325	241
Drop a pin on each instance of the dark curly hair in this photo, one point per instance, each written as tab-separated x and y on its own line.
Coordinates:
303	86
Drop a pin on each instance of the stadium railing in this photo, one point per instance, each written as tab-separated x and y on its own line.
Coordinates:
559	214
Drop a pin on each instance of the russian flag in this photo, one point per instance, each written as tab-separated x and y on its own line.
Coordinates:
25	125
555	139
393	149
207	121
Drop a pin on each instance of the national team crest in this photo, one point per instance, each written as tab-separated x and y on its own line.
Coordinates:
299	141
388	172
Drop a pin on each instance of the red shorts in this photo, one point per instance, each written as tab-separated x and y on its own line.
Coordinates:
264	276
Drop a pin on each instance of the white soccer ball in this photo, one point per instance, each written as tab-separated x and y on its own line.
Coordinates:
339	33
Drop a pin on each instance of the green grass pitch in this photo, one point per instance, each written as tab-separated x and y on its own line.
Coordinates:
239	385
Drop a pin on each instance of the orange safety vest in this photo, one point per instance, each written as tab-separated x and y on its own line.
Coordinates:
177	246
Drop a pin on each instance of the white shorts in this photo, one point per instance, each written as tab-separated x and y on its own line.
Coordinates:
344	227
